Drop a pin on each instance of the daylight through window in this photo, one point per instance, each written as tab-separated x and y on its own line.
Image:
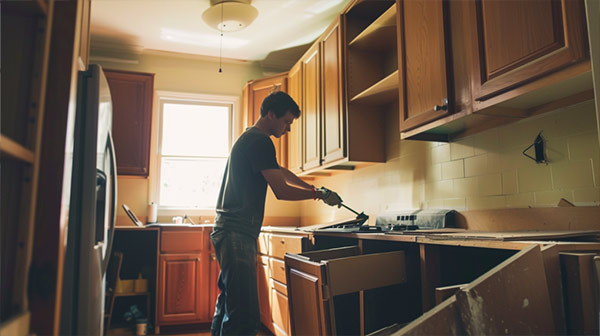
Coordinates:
193	149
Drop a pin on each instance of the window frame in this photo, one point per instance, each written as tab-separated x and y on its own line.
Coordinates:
163	97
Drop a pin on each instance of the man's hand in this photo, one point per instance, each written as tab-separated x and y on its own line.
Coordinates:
329	197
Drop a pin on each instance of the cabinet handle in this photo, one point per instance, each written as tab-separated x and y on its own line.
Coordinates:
442	107
283	241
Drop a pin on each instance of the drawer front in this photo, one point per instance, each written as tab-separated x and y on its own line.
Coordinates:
280	244
277	270
281	315
278	286
182	241
263	243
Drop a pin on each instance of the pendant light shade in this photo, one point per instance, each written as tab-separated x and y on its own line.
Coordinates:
229	15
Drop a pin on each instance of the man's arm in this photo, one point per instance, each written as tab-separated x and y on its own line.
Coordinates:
294	180
276	178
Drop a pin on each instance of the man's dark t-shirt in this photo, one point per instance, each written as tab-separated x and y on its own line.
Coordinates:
241	202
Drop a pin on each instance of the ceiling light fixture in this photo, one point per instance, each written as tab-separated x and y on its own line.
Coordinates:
229	15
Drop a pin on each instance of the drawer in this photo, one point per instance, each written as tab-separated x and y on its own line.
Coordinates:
263	260
278	286
277	268
182	241
280	244
280	311
263	243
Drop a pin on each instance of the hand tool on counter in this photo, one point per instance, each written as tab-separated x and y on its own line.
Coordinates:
360	216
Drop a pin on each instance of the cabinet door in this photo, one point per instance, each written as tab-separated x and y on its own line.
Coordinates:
306	302
311	80
132	116
183	288
333	103
295	134
259	90
519	41
264	291
423	59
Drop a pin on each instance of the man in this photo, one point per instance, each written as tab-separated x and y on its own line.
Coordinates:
252	165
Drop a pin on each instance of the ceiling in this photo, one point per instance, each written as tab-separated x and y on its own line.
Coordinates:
134	27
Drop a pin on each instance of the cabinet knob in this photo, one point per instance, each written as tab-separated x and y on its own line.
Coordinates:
442	107
283	241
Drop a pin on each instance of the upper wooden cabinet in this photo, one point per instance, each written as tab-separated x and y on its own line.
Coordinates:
463	63
311	80
333	137
295	135
519	41
254	94
132	95
424	62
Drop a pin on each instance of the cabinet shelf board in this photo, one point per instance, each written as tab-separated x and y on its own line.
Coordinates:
379	33
15	150
382	92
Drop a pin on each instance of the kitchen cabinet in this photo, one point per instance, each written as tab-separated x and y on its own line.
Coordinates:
186	274
311	80
326	289
506	61
132	95
515	42
296	136
272	283
255	92
333	108
424	62
339	133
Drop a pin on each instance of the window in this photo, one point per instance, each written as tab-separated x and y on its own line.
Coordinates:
194	139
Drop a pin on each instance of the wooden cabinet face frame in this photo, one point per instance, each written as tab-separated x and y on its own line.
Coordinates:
545	37
425	72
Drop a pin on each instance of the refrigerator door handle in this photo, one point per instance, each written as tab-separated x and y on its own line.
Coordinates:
111	229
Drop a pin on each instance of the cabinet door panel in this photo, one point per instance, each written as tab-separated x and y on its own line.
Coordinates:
183	289
518	41
132	95
423	67
264	291
281	316
295	134
259	90
306	305
333	107
312	109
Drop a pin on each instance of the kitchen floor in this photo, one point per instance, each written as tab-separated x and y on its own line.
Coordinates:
128	331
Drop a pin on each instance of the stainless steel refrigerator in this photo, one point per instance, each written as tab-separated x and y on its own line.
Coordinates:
92	208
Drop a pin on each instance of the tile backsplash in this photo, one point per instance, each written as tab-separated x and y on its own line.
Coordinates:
483	171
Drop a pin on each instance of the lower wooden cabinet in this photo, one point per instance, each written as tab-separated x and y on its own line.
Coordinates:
187	273
272	283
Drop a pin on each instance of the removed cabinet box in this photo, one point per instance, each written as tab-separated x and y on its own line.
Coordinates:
132	95
327	289
254	93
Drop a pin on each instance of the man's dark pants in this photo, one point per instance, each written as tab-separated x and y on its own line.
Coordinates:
237	311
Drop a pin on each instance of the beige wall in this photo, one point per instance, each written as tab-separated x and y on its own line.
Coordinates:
484	171
178	74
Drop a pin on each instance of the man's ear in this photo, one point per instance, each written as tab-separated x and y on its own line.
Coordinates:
271	115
